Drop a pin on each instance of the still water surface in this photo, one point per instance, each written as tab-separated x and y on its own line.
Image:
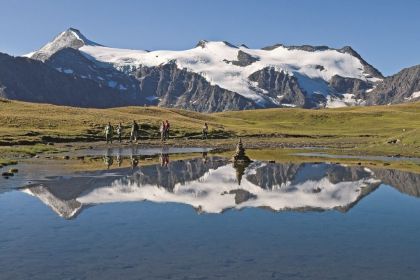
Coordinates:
204	218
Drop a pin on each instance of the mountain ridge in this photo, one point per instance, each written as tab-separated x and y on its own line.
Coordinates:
219	76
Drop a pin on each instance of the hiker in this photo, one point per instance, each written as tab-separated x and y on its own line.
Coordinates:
119	132
134	131
108	133
205	131
167	128
162	131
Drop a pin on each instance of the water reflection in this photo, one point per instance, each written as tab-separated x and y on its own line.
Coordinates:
214	185
133	157
137	150
108	160
164	159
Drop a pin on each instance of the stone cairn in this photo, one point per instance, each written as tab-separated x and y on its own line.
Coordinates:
240	161
240	156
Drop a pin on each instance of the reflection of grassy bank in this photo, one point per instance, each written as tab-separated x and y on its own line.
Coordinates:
288	155
361	130
92	163
6	162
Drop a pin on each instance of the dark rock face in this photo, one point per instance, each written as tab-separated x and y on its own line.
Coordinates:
175	173
280	86
178	88
273	174
30	80
244	59
242	195
201	43
348	85
307	48
340	173
72	62
397	88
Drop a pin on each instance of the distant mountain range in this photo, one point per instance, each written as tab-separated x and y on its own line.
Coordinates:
213	76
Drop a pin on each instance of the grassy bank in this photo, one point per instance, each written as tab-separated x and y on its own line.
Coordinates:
356	130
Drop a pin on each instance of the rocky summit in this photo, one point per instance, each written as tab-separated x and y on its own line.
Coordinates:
213	76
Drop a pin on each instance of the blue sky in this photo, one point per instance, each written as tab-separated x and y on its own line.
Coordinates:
385	33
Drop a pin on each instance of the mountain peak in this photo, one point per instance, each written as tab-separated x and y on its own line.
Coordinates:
368	68
202	43
73	32
71	38
205	43
73	29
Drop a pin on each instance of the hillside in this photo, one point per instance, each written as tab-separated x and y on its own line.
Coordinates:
358	128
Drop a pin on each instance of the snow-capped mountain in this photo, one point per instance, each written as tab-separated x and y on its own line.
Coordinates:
217	76
269	77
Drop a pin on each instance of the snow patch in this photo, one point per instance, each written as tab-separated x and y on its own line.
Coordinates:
152	98
68	71
287	105
346	99
414	95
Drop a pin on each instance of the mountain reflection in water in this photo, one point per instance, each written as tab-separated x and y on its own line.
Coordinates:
213	185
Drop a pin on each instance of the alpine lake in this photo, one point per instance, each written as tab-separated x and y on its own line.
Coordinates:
192	213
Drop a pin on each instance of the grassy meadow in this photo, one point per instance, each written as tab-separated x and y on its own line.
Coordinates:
28	127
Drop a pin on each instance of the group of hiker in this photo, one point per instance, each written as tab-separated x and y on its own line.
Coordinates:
109	132
135	131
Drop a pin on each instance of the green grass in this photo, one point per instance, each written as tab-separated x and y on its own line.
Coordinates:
29	150
356	130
